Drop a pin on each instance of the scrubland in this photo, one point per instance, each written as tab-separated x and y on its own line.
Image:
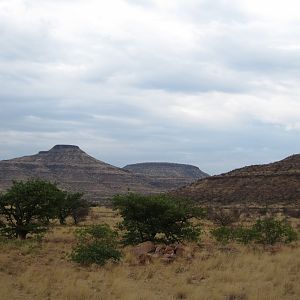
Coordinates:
34	269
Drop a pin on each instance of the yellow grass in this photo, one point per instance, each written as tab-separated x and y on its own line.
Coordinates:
32	271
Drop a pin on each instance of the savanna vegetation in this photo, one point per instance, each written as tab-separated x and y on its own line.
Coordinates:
236	254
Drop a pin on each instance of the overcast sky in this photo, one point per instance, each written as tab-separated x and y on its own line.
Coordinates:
213	83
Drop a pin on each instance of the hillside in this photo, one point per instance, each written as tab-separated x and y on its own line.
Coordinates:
167	175
73	170
277	182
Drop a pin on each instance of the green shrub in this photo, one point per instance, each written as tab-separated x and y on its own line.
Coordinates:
223	234
96	244
245	235
157	217
268	231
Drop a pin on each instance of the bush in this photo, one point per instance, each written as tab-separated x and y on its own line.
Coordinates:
223	234
268	231
157	217
72	204
27	207
96	244
222	217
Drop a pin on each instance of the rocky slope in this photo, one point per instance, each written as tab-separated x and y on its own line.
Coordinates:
74	170
277	182
167	175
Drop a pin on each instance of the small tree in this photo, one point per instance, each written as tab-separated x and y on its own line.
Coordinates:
96	244
222	217
79	214
72	204
27	207
157	217
270	231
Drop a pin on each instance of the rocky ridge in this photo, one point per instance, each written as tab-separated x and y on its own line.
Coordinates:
168	175
274	183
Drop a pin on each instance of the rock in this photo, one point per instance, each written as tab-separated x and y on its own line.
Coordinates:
144	259
170	255
166	260
169	250
144	248
160	249
184	251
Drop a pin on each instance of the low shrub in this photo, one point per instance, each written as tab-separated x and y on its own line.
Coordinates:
268	232
97	244
223	217
223	234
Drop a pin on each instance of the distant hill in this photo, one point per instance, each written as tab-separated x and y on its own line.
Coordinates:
277	182
167	175
74	170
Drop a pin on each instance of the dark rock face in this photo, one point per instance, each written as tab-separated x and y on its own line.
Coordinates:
167	175
275	183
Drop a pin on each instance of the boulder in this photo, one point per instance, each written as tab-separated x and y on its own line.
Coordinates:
144	248
144	259
184	251
160	249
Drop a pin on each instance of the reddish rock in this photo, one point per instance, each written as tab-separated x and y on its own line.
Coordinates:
169	250
160	249
144	248
184	251
144	259
166	260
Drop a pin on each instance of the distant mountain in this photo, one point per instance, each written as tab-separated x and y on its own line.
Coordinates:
167	175
74	170
277	182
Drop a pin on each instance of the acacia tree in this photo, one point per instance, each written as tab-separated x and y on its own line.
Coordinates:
27	207
72	204
157	217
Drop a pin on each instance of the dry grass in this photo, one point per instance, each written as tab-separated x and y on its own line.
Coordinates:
29	270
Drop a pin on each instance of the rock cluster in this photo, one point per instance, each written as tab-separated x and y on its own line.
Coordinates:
147	251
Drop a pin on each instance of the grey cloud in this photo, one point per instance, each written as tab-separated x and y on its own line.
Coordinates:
121	93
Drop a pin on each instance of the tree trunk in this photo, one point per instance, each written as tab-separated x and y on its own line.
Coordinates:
21	234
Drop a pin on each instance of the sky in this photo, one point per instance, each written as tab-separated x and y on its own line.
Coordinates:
212	83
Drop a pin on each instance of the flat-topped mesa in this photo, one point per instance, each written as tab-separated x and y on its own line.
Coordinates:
67	154
166	174
166	169
62	148
60	154
74	170
65	147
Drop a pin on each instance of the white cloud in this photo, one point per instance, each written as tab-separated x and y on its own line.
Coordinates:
151	77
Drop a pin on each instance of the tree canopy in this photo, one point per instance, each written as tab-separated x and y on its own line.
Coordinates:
27	207
157	217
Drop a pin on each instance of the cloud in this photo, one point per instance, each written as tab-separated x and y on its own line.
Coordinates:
214	83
